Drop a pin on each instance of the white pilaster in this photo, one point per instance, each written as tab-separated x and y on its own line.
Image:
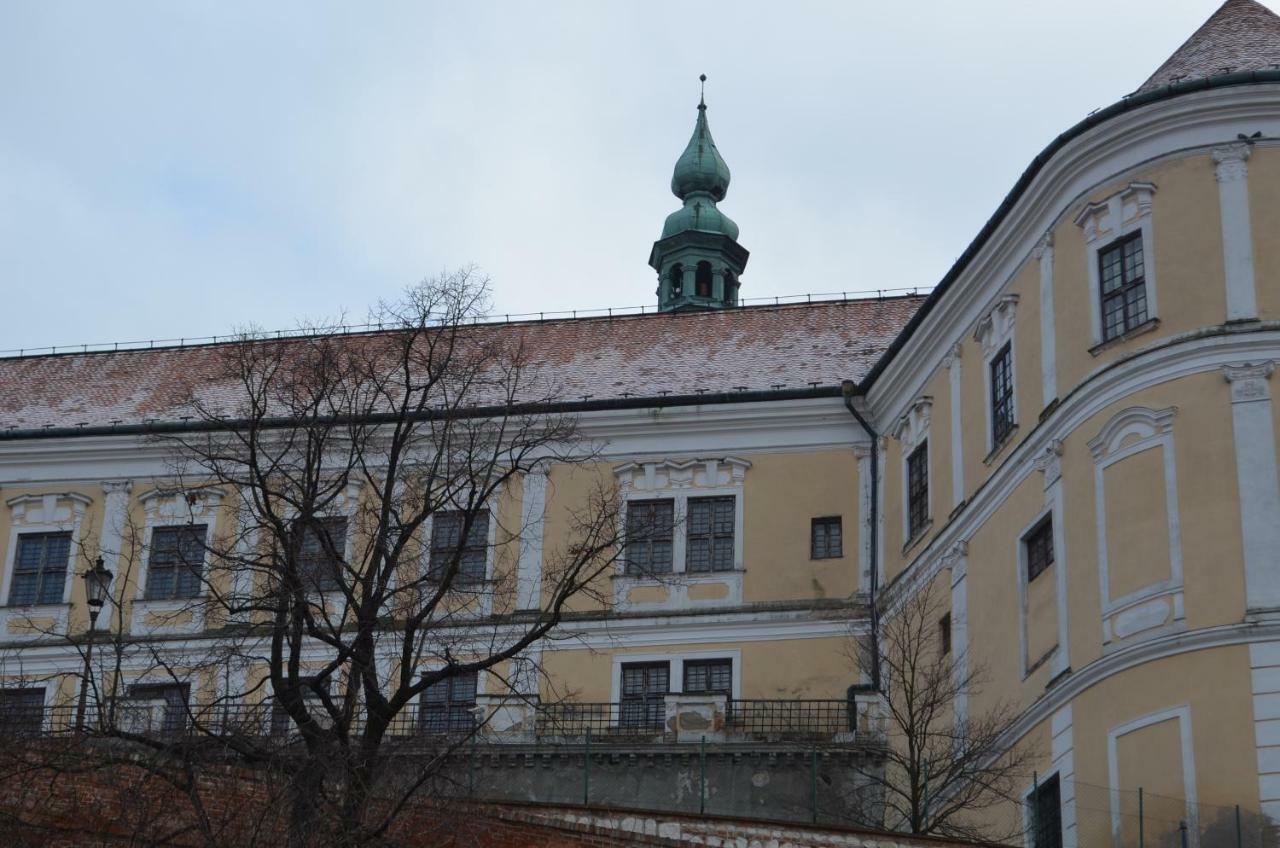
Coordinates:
532	510
1264	668
960	629
115	515
1253	431
1050	463
1237	238
1048	343
952	363
246	548
1064	763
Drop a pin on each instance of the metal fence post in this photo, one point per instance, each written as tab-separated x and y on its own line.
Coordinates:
1140	823
1239	830
702	777
586	770
813	786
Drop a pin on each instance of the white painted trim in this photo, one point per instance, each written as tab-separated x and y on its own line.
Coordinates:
1154	430
1043	253
1232	171
167	508
52	512
993	333
1062	750
960	638
1106	222
1183	715
533	502
1257	480
953	366
1024	587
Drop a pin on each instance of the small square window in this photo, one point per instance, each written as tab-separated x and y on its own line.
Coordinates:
944	634
826	539
917	490
1039	548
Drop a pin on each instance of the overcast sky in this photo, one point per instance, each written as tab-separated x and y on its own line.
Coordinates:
182	169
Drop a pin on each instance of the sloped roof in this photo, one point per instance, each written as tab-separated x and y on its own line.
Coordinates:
753	348
1243	35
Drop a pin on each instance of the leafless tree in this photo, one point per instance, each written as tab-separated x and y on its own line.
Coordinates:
945	768
366	479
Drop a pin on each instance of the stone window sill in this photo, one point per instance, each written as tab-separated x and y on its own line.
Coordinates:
1139	330
1009	438
678	577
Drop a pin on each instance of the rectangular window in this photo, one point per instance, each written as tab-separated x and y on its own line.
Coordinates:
710	537
175	696
649	536
446	542
944	634
21	711
40	568
644	689
1002	395
1122	277
917	490
826	538
1046	815
176	562
1039	548
320	556
448	706
709	677
282	723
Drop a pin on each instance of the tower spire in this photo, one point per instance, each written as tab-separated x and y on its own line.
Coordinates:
698	258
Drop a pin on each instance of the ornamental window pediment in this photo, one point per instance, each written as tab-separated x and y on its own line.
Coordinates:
913	427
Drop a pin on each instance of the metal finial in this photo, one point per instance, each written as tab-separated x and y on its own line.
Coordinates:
702	93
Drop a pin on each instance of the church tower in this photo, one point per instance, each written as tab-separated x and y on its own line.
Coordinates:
698	258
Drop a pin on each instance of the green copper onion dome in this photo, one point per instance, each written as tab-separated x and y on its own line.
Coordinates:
700	168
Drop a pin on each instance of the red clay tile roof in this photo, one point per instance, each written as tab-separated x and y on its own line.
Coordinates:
1243	35
759	348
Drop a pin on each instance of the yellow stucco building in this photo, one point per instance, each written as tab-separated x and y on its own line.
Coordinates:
1073	438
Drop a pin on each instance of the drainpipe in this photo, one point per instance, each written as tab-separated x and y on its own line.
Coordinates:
847	388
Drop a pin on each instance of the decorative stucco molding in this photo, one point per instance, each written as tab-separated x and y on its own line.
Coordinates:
1231	162
1249	381
913	427
996	327
1106	219
1049	462
681	474
1134	421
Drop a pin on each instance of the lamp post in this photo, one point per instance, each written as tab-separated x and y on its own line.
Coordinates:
97	584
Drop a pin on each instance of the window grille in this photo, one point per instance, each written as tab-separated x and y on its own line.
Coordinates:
448	706
21	711
917	490
710	537
40	568
1039	548
446	542
1122	275
1002	395
649	536
320	555
644	689
176	562
826	538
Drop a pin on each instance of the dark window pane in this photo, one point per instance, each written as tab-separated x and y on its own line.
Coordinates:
448	706
649	536
175	696
320	555
446	543
918	490
1039	549
176	562
21	711
644	689
1046	815
282	723
1002	395
826	538
944	634
708	676
1122	277
40	568
709	542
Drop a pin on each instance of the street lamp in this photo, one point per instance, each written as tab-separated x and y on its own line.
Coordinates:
97	585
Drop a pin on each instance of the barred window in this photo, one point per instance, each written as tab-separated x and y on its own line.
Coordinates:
1122	275
709	677
649	536
312	689
710	537
175	696
448	706
1002	395
917	490
644	689
176	562
826	538
944	634
446	542
1039	548
1046	814
40	568
321	552
21	711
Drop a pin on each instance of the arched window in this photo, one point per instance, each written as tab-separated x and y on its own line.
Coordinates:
702	279
676	277
729	287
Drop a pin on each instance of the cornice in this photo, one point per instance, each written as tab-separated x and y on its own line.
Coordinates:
1189	124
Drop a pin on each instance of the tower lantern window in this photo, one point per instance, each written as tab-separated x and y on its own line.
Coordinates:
677	280
702	279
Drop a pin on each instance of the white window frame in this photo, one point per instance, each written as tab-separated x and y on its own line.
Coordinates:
678	481
55	512
911	431
675	663
169	508
1106	221
994	331
483	590
1051	512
